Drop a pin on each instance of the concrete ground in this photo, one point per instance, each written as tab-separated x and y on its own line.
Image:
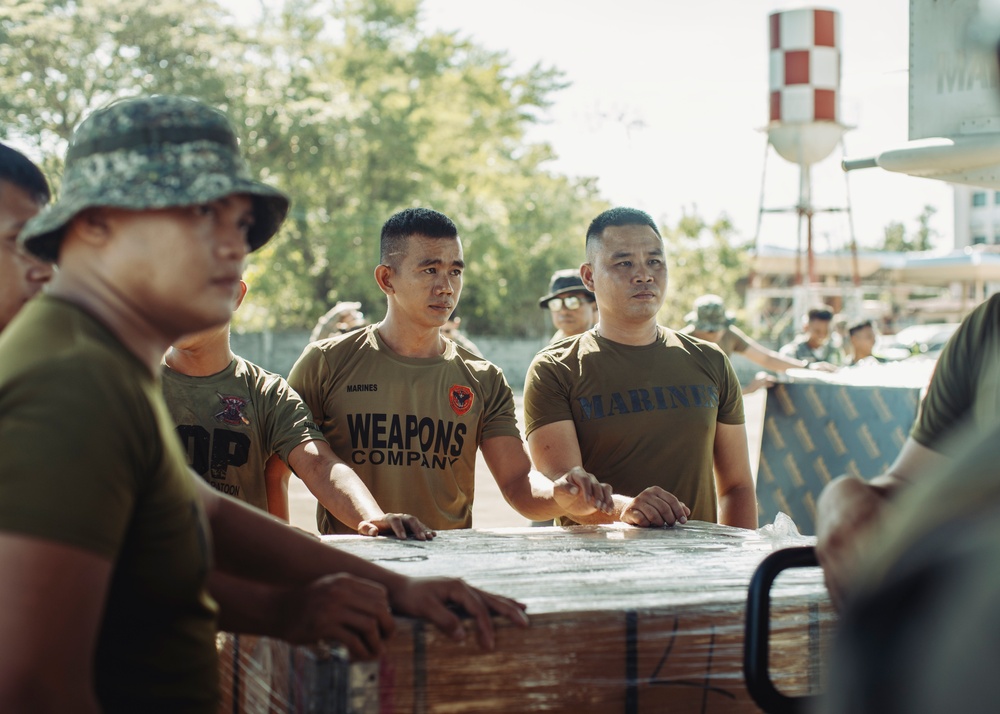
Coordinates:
490	510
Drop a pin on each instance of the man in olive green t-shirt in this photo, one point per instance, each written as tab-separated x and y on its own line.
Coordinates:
408	409
108	542
242	427
963	393
654	412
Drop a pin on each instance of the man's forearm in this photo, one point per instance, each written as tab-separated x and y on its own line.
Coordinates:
344	495
778	362
245	606
334	484
532	497
738	507
600	517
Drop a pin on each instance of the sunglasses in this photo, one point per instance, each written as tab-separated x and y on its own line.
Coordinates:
570	303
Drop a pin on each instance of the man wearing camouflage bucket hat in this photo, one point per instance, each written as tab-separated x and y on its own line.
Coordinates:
711	321
107	541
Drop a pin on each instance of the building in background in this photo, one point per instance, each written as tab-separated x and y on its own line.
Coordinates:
977	216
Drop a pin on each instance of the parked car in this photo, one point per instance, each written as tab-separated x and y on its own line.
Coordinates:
926	340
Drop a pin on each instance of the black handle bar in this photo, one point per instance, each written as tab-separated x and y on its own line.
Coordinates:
756	644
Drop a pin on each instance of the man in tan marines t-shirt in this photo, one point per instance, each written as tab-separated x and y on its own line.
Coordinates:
407	408
649	410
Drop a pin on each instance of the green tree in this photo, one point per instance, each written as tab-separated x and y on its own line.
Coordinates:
702	258
60	59
924	240
415	119
896	238
350	108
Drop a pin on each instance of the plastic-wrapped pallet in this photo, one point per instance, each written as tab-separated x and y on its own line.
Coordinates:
623	620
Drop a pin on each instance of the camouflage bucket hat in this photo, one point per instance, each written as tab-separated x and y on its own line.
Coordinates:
149	153
709	314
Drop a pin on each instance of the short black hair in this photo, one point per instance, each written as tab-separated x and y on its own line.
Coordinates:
820	312
410	222
18	169
621	216
858	326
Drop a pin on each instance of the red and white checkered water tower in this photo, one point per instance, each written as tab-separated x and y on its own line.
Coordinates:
804	85
804	89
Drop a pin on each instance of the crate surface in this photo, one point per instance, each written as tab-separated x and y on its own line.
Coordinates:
623	620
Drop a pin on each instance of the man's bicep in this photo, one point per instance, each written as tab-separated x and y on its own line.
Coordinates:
53	599
554	448
547	399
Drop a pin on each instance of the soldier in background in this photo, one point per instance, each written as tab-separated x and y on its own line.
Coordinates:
23	192
342	317
711	321
818	342
452	331
570	304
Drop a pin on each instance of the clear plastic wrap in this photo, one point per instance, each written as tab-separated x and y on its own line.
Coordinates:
622	620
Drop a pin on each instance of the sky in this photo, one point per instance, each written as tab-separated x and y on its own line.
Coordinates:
668	98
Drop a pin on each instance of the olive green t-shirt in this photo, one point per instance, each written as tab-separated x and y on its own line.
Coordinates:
965	387
89	459
409	427
230	423
645	416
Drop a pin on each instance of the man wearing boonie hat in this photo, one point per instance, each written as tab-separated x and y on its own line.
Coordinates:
107	541
342	317
711	321
570	304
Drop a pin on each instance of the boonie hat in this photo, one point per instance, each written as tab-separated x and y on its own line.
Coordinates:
709	314
858	325
565	281
148	153
342	308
